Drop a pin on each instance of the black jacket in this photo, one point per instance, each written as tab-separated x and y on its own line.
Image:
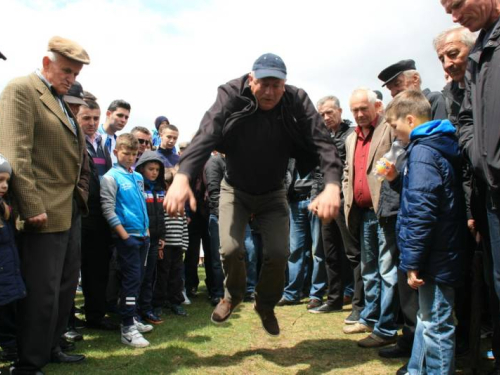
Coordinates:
235	102
438	104
214	173
155	193
480	113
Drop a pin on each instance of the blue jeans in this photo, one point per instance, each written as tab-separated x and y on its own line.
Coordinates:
216	264
305	234
253	247
379	273
433	349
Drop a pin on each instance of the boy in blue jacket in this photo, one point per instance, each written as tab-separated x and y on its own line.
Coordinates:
124	207
430	227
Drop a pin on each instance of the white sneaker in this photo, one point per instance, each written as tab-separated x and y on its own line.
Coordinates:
132	337
141	327
187	301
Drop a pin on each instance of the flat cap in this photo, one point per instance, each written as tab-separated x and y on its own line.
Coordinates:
69	49
391	72
2	56
75	94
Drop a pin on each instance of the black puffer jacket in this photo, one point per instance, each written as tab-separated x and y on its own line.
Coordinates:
155	193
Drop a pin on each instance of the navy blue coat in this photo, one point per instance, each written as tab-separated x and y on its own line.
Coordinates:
431	222
11	283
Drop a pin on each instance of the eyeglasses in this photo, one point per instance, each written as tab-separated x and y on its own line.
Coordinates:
142	141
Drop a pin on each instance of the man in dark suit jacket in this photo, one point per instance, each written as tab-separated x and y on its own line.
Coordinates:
41	138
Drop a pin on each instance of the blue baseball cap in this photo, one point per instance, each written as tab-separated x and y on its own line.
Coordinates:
269	65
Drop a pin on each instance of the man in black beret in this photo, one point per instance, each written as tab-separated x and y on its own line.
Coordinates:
403	75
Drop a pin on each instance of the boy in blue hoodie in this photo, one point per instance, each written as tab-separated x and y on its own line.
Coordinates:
124	207
150	166
430	227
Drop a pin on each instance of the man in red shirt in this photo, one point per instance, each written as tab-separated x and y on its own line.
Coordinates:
371	139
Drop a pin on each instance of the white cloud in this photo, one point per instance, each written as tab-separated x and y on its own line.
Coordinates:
168	57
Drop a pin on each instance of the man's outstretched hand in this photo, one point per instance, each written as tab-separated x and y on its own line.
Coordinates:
326	205
177	195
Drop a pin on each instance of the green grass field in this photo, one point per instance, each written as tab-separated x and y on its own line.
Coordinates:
309	344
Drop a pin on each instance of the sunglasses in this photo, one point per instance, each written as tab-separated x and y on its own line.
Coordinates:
142	141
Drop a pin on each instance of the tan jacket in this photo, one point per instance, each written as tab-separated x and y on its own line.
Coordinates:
46	155
381	143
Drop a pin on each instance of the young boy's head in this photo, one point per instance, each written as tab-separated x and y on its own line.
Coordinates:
5	172
406	111
126	149
169	134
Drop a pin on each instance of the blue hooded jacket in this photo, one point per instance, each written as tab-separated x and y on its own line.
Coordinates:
431	223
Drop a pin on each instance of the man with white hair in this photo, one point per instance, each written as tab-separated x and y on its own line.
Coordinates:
370	140
45	146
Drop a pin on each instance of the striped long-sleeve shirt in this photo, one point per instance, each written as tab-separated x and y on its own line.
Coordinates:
176	233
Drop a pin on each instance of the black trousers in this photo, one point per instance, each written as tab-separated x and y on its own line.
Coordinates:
352	246
96	255
168	287
335	264
198	233
50	263
8	331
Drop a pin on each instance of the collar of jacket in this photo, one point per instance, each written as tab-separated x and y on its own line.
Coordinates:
493	42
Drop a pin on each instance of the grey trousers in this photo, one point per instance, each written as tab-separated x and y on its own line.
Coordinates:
271	213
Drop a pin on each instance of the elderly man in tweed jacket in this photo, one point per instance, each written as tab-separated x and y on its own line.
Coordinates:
40	137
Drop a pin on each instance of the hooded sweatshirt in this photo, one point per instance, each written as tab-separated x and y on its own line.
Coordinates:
155	193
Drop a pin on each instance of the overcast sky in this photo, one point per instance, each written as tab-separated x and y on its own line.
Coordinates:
168	57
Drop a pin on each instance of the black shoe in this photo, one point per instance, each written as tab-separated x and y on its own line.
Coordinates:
65	345
61	357
249	297
394	352
178	310
269	321
8	354
214	301
286	302
103	324
353	317
325	308
402	370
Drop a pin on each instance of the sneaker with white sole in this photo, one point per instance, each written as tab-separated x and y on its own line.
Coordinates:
132	337
141	327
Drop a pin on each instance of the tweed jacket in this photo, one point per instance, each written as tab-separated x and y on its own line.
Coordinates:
46	155
381	143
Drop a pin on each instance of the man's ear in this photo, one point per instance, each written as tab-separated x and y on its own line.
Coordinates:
45	63
108	113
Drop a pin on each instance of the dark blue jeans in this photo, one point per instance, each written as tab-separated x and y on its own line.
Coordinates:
253	256
146	293
216	264
131	258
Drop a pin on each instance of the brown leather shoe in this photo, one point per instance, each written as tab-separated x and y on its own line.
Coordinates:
314	303
374	341
269	321
222	311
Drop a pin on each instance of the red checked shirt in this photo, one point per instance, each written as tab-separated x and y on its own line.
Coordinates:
362	196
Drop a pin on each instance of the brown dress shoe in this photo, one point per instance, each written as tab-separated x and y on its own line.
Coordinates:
222	311
314	303
269	321
374	341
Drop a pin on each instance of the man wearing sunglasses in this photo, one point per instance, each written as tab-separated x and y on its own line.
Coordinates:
143	135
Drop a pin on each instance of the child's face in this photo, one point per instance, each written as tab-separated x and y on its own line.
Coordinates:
4	183
125	156
151	171
169	139
402	127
